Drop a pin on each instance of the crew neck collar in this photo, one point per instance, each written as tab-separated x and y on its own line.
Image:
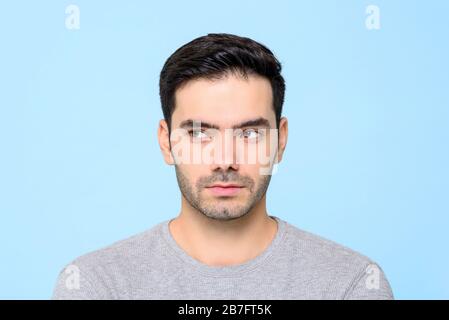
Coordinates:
223	271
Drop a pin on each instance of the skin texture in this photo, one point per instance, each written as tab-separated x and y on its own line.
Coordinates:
224	230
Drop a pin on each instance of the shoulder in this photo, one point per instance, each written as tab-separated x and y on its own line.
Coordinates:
341	270
90	275
133	247
322	250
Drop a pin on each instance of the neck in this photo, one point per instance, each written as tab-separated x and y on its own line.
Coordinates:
222	243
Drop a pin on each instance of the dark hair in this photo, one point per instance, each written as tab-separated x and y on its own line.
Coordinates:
211	57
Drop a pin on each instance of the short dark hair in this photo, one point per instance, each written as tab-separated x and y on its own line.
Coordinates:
213	56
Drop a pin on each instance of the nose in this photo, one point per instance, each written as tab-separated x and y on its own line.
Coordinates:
225	153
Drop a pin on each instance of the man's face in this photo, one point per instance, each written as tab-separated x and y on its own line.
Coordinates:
221	173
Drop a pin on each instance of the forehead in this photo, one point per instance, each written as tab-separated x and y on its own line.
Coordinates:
224	101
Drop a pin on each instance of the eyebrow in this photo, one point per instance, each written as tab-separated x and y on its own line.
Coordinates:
258	122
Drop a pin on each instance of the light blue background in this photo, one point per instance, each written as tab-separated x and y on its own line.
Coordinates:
367	157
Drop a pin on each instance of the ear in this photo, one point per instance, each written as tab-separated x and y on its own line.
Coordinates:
283	135
164	142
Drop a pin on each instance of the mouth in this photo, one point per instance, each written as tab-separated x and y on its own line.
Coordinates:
225	190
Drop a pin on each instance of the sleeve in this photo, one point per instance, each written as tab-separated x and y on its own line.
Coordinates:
370	284
75	283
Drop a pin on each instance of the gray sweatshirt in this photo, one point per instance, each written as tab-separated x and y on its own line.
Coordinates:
151	265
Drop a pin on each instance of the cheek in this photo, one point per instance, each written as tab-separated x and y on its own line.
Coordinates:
257	154
194	172
198	170
251	172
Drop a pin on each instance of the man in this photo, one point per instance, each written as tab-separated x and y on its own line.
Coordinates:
222	98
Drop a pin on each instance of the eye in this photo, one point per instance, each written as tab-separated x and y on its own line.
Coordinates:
251	134
198	135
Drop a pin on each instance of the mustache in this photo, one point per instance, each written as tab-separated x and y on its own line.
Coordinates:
225	177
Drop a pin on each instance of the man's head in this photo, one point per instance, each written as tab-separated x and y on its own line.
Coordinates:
222	94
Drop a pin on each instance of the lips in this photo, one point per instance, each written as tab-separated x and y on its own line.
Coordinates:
222	185
225	190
